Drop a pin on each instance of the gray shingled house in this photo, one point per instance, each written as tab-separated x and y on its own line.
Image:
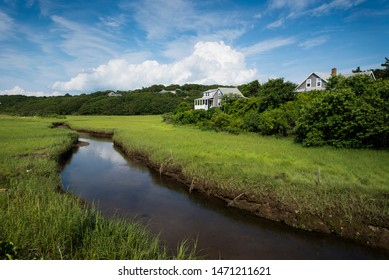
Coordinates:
318	81
213	97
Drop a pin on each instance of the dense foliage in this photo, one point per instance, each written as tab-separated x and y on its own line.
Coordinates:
352	112
156	99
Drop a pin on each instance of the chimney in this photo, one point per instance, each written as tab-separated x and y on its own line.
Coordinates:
333	71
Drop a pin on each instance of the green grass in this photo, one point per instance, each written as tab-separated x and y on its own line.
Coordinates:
44	223
353	183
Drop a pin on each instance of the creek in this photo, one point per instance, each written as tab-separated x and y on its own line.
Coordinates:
99	173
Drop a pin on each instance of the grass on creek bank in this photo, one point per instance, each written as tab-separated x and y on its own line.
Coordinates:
42	222
326	189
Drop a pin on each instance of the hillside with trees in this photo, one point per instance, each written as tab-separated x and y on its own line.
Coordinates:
153	100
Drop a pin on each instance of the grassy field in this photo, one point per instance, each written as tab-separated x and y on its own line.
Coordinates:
326	189
44	223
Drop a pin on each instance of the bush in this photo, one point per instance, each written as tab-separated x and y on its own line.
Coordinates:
344	119
276	122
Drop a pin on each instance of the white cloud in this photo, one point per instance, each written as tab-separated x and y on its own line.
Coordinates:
336	5
275	24
314	42
20	91
6	26
268	45
86	43
210	62
292	4
168	20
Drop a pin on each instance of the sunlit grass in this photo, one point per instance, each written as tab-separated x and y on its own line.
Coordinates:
313	180
44	223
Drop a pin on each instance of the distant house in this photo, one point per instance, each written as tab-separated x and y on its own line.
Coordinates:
318	81
166	91
112	94
213	97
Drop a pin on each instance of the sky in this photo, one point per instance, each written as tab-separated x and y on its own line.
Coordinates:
54	47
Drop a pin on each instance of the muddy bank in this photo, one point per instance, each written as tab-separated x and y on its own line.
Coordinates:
267	207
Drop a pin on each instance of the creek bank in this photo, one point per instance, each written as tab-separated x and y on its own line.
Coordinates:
266	206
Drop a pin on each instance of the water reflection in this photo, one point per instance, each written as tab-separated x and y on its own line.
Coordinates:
99	173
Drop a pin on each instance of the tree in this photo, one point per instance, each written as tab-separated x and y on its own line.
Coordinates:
382	73
276	92
250	89
345	118
357	70
386	64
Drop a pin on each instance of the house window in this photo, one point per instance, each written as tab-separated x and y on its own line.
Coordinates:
318	82
309	83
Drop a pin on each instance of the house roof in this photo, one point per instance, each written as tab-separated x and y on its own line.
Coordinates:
236	91
224	91
323	76
368	72
326	76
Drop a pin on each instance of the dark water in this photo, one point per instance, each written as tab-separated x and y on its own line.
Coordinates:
99	173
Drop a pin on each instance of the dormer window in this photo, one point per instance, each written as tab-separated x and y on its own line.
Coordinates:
318	82
309	83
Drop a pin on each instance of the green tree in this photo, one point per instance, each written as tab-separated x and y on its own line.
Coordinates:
251	89
276	92
342	118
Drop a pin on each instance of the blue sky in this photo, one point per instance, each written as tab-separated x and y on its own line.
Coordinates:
53	47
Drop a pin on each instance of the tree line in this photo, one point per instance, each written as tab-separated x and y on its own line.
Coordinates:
145	101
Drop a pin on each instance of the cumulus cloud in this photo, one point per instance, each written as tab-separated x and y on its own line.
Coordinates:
210	62
20	91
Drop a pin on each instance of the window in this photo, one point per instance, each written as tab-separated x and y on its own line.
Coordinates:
308	83
318	82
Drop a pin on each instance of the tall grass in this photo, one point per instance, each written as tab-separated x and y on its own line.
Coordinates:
44	223
351	184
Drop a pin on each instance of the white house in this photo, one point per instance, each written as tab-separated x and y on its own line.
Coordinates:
113	94
318	81
213	97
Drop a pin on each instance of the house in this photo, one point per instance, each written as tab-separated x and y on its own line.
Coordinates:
213	97
166	91
112	94
318	81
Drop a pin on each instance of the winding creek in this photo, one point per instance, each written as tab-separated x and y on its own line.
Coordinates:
100	173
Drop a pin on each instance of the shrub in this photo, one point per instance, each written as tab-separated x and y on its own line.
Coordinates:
342	118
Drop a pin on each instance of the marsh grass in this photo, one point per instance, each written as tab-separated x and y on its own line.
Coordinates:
352	183
44	223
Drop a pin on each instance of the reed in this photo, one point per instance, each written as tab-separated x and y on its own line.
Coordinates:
44	223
